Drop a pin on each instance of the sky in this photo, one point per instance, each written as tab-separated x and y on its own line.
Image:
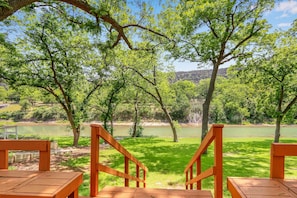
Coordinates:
281	17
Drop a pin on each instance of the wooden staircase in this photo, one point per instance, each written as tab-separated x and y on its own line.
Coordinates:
193	180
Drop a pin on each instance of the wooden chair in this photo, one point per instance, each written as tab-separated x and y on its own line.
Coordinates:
43	146
277	159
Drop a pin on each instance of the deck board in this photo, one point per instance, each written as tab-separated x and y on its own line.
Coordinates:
124	192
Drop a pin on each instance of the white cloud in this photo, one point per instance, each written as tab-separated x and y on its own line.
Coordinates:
287	7
284	25
284	15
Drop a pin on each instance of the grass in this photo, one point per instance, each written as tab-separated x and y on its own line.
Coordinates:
243	157
11	108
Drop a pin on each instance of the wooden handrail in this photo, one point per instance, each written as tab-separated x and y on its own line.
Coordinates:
97	132
213	135
43	146
277	158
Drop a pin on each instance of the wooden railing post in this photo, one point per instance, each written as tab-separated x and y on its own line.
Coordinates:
126	171
218	161
144	178
94	177
137	175
191	177
198	172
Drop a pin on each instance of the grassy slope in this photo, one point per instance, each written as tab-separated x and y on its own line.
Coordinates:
166	160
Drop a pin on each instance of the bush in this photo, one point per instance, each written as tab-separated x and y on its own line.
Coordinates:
139	130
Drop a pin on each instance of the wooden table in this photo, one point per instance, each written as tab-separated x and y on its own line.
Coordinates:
39	184
261	188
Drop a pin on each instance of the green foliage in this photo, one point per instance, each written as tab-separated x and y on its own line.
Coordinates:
25	105
48	114
4	4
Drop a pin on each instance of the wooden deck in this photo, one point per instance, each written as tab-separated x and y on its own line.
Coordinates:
125	192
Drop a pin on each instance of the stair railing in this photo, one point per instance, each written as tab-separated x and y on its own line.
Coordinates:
214	135
97	132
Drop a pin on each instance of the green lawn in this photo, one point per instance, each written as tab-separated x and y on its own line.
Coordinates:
166	160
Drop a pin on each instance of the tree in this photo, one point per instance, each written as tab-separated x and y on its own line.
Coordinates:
148	77
276	69
214	33
185	91
108	104
59	60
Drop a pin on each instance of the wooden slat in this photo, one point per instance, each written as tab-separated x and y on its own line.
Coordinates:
284	149
209	172
123	192
25	145
117	173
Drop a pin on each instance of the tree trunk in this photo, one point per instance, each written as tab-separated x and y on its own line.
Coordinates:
205	114
111	124
169	119
277	129
135	117
206	104
76	135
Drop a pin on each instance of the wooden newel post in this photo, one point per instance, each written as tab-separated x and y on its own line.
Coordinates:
94	177
218	163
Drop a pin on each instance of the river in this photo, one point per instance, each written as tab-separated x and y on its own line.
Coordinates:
160	131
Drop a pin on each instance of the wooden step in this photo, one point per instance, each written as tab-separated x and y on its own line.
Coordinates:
124	192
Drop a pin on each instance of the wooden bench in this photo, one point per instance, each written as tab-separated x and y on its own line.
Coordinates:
275	186
43	146
7	131
277	158
214	135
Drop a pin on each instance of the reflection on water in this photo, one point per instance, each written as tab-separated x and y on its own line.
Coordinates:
162	131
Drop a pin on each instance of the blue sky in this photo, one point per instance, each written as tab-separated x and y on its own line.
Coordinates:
281	17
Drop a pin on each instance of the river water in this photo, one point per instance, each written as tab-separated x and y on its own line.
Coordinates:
160	131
